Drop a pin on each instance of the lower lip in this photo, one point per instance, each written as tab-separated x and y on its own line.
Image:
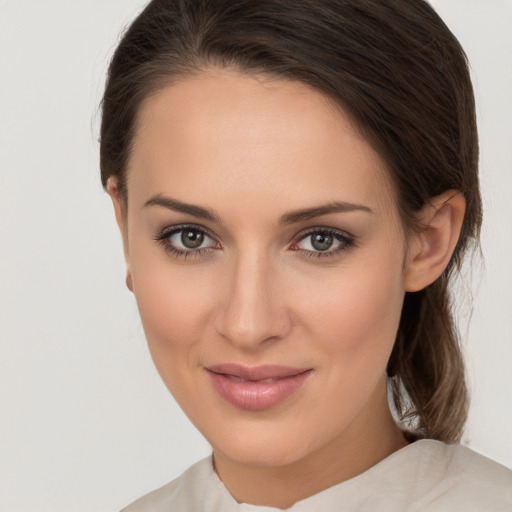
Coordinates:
256	395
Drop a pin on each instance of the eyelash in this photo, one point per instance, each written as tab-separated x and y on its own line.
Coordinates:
164	239
347	242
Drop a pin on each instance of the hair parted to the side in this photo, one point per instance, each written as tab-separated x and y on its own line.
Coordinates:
398	71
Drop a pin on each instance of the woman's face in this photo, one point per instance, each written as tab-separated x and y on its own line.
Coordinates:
266	256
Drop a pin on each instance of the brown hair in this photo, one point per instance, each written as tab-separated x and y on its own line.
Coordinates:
398	71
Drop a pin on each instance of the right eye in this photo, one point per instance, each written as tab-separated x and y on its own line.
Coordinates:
185	241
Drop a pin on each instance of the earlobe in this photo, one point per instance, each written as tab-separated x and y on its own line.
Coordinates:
129	283
119	205
432	247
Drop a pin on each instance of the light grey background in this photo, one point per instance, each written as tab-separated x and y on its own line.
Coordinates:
85	423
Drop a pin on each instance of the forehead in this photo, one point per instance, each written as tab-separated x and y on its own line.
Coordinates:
225	135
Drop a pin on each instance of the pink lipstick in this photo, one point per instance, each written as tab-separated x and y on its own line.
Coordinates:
256	388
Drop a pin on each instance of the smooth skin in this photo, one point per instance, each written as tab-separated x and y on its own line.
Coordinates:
258	291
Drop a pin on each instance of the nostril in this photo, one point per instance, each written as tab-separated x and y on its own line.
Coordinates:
252	313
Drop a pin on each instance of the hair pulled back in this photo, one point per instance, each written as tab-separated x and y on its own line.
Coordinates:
398	71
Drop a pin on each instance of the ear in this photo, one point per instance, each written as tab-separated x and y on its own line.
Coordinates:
121	218
431	248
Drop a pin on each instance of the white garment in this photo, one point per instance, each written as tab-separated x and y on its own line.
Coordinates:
426	476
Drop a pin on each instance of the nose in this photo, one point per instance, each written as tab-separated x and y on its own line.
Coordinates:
252	311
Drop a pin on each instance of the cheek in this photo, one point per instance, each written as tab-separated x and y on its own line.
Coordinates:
163	310
355	314
351	325
174	303
173	307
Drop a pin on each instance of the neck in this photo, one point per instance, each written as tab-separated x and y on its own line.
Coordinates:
371	437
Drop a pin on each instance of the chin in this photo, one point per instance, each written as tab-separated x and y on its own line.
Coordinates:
267	457
261	446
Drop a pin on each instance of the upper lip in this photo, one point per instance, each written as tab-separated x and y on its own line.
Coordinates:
255	373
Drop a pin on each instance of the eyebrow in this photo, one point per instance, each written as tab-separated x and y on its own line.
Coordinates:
179	206
291	217
316	211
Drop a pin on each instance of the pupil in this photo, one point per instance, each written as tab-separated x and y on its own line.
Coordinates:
192	239
322	242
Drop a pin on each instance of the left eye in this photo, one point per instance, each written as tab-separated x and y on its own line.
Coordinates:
324	241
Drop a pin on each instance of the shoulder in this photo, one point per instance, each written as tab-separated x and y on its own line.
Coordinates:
453	475
428	476
183	493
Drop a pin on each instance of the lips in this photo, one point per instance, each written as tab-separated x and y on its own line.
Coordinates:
256	388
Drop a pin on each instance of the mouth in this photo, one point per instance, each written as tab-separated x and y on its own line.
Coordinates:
256	388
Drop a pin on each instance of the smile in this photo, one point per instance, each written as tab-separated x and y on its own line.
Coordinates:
256	388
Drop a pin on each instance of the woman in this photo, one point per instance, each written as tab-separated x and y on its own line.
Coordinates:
295	183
